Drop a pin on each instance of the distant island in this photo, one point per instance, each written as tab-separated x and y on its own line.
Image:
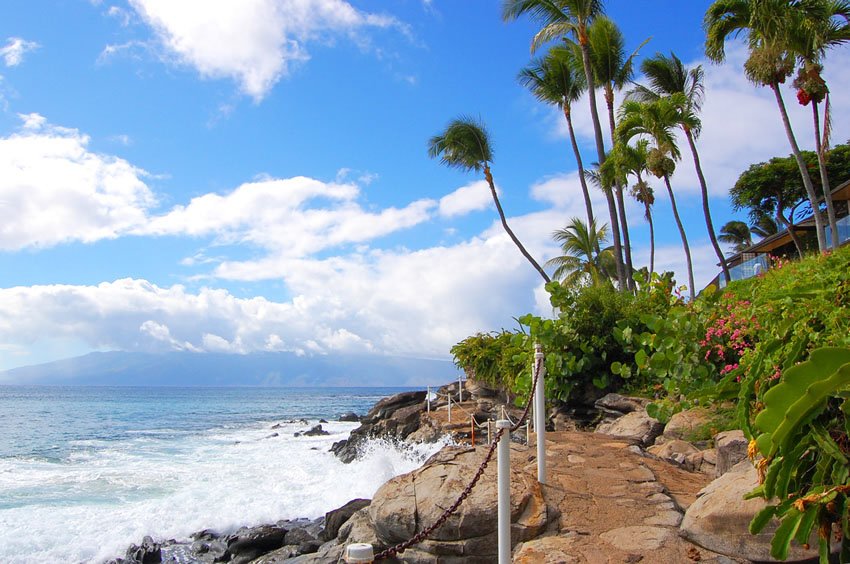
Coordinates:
214	369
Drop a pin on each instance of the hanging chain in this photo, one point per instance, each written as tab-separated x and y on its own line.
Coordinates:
425	533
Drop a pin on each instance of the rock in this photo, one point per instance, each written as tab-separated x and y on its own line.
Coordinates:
149	552
408	503
323	420
617	404
397	417
731	449
546	550
638	538
297	536
248	544
703	461
335	519
719	519
686	424
636	426
349	417
675	451
315	431
309	547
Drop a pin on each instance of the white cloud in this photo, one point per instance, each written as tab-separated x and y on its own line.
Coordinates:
253	41
472	197
14	50
54	190
295	217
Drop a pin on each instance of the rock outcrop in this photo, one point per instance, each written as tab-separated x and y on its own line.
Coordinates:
635	426
395	417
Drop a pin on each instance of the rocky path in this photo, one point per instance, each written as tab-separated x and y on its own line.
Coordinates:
615	505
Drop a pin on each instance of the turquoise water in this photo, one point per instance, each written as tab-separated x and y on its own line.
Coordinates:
84	471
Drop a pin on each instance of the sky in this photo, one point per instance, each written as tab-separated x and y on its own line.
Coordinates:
252	175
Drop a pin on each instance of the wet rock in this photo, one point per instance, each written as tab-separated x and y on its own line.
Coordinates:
336	518
349	417
248	544
149	552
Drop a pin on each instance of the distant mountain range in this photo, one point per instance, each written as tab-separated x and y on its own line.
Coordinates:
209	369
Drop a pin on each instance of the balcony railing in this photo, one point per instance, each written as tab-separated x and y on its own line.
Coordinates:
747	269
843	225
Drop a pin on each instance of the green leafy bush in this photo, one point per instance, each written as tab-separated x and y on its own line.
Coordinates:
489	358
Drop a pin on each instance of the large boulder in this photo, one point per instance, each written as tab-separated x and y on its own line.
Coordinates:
336	518
249	543
407	504
719	519
675	451
635	426
619	404
731	449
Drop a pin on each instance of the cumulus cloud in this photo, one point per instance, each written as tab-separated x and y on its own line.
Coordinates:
472	197
253	41
15	49
53	189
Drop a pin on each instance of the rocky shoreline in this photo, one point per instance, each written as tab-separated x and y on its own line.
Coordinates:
688	496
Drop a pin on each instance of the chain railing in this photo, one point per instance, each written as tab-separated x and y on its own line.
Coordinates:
426	533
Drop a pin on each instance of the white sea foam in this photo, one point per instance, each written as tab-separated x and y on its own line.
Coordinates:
105	495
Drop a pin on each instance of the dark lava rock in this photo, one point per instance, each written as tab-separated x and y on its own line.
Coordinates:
309	547
323	420
336	518
149	552
349	417
315	431
250	543
394	417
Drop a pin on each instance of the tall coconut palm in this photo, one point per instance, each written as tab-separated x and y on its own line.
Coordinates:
612	69
767	25
553	80
570	19
465	144
822	25
658	120
582	262
633	159
736	233
667	75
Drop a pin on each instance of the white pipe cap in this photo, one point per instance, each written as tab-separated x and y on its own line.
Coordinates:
359	552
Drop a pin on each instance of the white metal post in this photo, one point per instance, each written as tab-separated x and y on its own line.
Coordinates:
450	406
540	414
459	388
428	399
504	488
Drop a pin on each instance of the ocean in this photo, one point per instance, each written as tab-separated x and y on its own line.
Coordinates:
85	471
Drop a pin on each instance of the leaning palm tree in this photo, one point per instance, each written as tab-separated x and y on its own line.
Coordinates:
571	18
763	225
738	234
465	144
658	120
823	24
666	76
612	69
768	26
554	80
582	262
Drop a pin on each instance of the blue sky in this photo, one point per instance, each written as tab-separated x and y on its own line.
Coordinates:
252	175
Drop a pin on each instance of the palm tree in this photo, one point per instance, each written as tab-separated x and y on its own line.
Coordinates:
769	26
738	234
582	261
763	226
633	159
658	120
571	18
553	80
465	144
667	75
820	29
613	70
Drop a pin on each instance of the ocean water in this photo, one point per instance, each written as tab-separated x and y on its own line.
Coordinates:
85	471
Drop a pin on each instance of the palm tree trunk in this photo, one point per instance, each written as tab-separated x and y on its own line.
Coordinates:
580	165
651	240
600	153
682	233
510	233
804	172
824	179
621	204
705	209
